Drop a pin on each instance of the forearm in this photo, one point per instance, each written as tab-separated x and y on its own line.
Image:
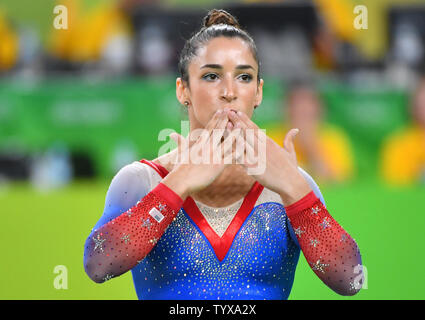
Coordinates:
120	244
329	250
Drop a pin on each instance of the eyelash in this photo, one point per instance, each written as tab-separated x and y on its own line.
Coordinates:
213	74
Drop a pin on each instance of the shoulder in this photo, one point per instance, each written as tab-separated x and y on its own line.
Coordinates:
135	174
129	185
134	169
132	182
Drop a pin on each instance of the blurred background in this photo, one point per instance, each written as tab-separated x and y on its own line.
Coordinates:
86	86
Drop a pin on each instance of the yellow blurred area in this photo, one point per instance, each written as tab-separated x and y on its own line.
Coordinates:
339	15
403	156
372	41
9	45
88	31
333	147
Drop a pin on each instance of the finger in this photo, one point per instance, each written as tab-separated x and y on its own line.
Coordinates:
288	142
250	155
178	139
218	121
218	116
247	121
181	146
221	130
201	134
211	138
240	152
231	145
253	132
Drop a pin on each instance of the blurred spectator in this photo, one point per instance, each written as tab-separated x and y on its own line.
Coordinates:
323	150
100	35
403	153
52	169
291	43
9	45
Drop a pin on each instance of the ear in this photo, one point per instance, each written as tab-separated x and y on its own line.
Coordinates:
181	91
259	95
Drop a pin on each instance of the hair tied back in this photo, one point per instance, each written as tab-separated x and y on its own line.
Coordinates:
216	16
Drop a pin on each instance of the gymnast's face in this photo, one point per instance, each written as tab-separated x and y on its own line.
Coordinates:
223	74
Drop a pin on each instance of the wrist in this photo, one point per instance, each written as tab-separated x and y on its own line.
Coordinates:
297	190
304	203
175	181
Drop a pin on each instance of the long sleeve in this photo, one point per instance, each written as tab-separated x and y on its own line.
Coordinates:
127	233
330	251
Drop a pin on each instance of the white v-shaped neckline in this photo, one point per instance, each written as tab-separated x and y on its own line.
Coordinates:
219	218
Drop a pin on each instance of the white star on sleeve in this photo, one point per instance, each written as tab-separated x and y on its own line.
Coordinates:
98	243
161	207
325	224
319	266
298	231
315	210
126	238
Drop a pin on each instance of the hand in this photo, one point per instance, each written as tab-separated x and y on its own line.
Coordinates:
279	170
202	157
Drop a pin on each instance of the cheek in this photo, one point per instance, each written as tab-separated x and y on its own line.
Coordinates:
201	93
248	95
203	105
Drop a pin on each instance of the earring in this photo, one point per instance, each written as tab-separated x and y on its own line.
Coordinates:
186	103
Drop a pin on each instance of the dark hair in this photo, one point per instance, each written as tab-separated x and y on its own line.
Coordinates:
217	23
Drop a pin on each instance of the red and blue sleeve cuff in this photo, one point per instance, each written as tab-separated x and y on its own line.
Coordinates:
304	203
174	201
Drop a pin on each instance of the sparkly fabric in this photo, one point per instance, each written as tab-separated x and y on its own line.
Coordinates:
260	264
330	251
118	245
194	259
219	218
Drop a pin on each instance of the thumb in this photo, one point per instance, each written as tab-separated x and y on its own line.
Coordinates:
181	146
288	143
177	138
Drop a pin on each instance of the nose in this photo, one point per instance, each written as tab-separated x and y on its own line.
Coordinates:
228	93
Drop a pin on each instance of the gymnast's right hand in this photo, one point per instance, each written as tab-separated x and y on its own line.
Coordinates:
195	167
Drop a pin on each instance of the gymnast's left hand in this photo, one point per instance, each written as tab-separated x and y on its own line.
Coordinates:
273	166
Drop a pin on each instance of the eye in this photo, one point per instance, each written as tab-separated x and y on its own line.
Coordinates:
245	77
210	76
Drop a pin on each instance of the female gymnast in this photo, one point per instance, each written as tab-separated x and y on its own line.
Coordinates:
210	229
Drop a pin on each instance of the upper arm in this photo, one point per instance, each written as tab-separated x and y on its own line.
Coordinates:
128	186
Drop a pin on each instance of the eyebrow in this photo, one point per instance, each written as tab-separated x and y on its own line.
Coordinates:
219	66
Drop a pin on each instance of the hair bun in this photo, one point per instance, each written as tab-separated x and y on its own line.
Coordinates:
216	16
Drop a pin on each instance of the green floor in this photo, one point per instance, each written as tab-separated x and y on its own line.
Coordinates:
40	231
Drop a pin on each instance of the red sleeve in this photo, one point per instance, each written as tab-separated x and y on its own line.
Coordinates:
120	244
329	250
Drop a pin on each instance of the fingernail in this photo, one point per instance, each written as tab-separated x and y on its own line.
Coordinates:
219	111
239	113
